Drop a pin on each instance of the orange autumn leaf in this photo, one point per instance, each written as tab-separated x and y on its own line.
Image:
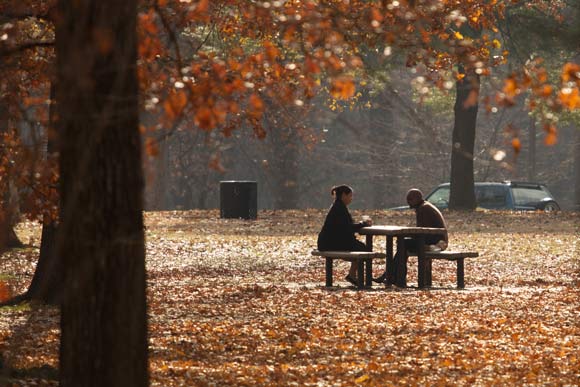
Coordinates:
289	34
571	72
202	6
272	52
570	98
551	135
546	91
551	139
256	106
376	15
4	291
256	102
342	88
516	145
311	66
151	147
175	103
510	87
204	118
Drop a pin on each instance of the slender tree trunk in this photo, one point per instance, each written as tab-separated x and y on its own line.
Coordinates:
8	205
532	150
576	204
100	235
162	199
577	171
46	284
285	161
462	194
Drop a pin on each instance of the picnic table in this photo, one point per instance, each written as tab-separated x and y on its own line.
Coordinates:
400	232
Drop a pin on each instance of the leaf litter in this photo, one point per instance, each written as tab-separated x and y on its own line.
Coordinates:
242	303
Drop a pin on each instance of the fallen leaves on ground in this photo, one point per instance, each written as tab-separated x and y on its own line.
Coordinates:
242	303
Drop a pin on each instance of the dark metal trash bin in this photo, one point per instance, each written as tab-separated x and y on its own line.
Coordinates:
239	199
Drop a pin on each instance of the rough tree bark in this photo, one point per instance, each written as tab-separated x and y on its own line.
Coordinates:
462	192
46	284
100	236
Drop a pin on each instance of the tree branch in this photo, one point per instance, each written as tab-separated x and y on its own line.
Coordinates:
25	46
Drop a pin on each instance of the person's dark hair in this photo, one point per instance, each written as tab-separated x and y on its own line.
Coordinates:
340	190
414	197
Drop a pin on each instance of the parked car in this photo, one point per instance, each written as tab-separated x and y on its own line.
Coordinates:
507	195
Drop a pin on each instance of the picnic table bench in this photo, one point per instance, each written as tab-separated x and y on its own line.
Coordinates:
364	263
364	260
448	255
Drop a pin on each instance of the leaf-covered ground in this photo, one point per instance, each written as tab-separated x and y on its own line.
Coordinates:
242	303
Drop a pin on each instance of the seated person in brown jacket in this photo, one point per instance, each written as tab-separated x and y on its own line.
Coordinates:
427	215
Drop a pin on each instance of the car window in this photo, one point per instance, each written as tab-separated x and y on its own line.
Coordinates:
491	196
528	195
440	197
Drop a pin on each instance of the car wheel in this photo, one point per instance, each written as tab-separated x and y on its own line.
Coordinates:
551	206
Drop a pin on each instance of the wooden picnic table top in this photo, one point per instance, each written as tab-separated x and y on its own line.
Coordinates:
392	230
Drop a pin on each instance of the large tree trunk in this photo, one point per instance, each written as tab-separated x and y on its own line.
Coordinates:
100	236
46	284
462	194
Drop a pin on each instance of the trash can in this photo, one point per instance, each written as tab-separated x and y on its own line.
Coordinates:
239	199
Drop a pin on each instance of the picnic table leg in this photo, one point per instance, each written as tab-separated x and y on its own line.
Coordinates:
369	273
460	274
429	272
390	261
423	265
401	263
369	242
360	274
328	272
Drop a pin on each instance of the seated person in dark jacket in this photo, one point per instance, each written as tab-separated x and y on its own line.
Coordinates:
427	215
337	234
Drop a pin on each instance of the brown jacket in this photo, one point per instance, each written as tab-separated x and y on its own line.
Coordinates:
429	216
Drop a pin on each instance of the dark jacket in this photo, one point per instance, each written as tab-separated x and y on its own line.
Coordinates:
338	230
429	216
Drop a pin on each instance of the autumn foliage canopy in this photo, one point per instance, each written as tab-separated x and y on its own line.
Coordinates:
221	63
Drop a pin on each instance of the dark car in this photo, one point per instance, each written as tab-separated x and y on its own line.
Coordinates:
507	195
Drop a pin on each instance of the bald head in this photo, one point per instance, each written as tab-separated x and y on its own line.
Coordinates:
414	197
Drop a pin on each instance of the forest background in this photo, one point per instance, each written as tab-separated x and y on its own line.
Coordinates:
393	133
